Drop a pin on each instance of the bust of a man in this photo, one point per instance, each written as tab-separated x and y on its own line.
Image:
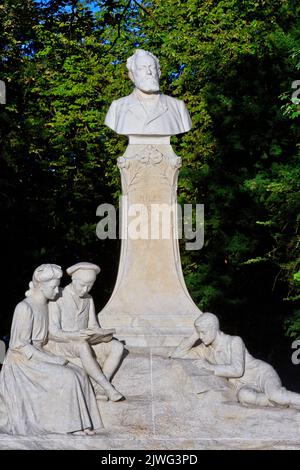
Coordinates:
146	111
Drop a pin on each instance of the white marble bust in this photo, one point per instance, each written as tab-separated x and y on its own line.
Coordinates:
146	111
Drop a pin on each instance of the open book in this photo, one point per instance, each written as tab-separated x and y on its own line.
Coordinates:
99	336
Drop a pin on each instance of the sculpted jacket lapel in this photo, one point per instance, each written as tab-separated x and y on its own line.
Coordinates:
160	109
136	108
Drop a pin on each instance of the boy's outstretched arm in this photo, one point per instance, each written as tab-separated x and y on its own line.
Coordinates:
184	346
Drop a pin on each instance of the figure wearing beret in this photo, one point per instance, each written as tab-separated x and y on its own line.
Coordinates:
74	331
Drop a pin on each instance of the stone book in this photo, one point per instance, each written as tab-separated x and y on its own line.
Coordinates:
99	336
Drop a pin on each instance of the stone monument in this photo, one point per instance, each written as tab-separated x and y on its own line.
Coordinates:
150	304
212	395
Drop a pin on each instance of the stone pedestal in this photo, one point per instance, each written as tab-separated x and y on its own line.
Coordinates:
150	304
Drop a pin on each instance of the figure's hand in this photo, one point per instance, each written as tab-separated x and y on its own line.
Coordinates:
184	346
79	335
176	354
108	331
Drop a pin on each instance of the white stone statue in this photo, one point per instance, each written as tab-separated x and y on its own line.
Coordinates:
150	304
256	382
146	111
74	331
43	393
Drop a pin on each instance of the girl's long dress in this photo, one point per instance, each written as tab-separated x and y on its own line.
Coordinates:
41	397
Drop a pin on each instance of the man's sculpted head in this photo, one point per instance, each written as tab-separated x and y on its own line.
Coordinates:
146	111
144	71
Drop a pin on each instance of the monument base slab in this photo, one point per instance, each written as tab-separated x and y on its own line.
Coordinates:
170	406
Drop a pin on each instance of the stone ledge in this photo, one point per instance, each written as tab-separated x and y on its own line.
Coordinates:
164	410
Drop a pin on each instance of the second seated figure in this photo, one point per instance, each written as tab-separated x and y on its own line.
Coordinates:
74	332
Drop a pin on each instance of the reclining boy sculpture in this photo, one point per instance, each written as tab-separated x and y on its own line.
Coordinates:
255	381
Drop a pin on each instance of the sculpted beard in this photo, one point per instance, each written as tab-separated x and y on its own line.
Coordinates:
147	84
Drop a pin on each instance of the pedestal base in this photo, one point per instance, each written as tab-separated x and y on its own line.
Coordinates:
150	299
